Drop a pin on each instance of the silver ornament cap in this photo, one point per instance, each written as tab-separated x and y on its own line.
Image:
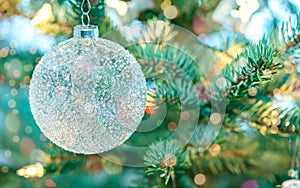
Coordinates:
81	31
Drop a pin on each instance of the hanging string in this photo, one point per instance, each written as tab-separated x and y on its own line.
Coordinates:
85	14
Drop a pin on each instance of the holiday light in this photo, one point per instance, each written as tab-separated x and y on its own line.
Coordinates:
31	171
200	179
120	6
171	12
246	9
45	13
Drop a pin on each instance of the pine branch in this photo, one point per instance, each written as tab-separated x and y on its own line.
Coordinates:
228	153
163	60
269	118
242	154
177	91
251	69
166	158
60	160
264	111
174	73
173	70
286	35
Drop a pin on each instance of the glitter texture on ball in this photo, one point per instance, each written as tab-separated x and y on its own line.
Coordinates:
88	95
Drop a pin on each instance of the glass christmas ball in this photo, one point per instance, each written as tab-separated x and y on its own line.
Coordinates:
88	94
292	183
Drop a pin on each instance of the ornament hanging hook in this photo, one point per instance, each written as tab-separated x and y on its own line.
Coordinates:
85	14
85	29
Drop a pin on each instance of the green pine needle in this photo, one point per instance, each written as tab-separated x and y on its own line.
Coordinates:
174	72
286	35
166	158
250	69
275	119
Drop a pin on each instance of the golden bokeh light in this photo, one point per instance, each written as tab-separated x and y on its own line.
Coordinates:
13	92
252	91
172	126
4	169
44	14
215	149
165	4
12	103
199	179
112	166
171	12
7	153
31	171
215	118
221	82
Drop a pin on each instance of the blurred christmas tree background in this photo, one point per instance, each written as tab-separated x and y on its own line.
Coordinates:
249	50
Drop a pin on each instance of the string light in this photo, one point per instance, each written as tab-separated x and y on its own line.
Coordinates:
4	169
246	9
113	165
252	91
165	4
44	14
185	115
11	103
221	82
200	179
215	118
16	139
7	153
120	6
31	171
172	126
13	92
171	12
215	149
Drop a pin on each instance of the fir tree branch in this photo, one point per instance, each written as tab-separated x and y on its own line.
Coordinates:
166	158
221	156
286	35
250	69
270	118
262	113
175	72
